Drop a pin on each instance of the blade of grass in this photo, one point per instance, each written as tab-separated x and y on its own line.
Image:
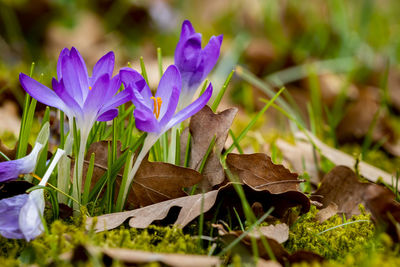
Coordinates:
253	121
221	92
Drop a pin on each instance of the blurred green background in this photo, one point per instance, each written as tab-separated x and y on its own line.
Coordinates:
329	54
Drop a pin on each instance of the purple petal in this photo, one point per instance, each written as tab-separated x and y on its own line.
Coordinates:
64	52
192	109
108	115
170	81
119	99
130	77
40	92
9	170
187	29
187	53
172	104
96	96
69	101
75	77
9	210
115	84
103	66
144	117
210	54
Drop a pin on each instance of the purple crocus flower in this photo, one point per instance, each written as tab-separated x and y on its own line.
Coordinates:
10	170
193	62
21	215
84	98
156	114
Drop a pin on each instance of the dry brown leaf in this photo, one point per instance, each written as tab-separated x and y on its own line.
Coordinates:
203	126
158	181
189	207
129	256
340	158
325	213
258	171
278	232
342	187
299	155
380	201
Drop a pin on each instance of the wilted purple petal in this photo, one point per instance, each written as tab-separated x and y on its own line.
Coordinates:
40	92
29	219
192	109
9	210
170	84
10	170
103	66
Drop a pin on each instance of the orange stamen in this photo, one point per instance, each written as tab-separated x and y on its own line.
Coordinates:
35	176
157	106
90	88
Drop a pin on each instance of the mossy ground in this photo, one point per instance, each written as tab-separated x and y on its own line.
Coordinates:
355	244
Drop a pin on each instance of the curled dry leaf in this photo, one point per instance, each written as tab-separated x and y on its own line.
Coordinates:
203	126
185	209
129	256
340	158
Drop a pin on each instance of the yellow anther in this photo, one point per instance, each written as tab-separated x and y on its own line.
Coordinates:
157	106
35	176
90	88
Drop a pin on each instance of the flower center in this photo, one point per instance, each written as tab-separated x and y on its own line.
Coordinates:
90	88
157	106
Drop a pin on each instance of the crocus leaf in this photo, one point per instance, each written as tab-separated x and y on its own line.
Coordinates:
203	126
187	208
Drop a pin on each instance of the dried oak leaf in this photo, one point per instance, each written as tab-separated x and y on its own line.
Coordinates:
204	125
280	253
158	181
130	256
185	209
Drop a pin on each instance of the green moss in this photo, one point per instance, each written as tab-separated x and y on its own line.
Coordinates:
306	234
64	237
